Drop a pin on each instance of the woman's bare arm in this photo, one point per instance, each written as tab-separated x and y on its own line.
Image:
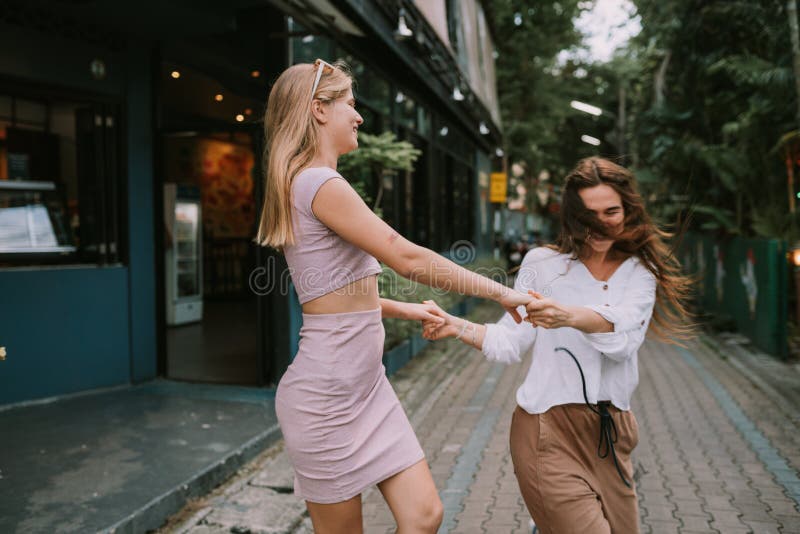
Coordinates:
340	208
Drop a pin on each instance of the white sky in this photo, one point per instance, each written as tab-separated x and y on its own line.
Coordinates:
607	26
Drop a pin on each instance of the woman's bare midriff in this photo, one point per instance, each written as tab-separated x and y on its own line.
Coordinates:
361	295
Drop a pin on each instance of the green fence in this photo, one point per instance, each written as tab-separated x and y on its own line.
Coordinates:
746	280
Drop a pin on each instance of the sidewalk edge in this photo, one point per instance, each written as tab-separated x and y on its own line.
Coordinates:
153	514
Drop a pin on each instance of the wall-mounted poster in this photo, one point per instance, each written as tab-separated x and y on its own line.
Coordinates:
223	170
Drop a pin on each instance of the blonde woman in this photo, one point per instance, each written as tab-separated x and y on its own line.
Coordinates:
343	426
596	291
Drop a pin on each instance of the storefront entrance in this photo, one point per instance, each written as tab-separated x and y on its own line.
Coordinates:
211	314
208	182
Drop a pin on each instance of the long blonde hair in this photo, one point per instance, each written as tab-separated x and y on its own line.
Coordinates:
291	135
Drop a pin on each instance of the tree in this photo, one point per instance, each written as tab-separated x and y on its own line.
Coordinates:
715	93
378	156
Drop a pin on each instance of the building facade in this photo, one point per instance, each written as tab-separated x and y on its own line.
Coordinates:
130	174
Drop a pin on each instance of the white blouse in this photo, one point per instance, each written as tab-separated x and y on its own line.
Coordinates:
609	360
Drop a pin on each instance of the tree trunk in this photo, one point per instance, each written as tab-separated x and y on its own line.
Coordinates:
661	80
621	123
790	178
791	12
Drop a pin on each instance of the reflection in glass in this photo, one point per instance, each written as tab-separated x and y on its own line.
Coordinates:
32	220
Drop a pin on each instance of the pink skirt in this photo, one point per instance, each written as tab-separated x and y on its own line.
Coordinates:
343	426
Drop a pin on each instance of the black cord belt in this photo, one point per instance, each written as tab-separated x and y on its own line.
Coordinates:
608	430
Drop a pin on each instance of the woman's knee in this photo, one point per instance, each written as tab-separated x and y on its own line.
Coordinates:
429	515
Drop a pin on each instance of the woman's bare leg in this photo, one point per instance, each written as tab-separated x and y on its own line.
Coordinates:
339	518
413	499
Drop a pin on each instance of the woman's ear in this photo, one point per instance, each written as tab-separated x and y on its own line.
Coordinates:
320	111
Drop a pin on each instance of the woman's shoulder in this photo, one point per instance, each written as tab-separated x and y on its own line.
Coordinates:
308	182
311	176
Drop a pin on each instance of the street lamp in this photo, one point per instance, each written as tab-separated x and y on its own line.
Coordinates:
589	140
586	108
619	128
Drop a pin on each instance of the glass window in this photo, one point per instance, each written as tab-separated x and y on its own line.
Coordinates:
407	112
59	198
33	219
423	121
369	86
373	121
309	47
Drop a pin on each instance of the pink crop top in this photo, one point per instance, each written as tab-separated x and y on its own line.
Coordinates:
320	261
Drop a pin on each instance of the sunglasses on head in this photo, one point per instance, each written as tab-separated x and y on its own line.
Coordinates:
321	66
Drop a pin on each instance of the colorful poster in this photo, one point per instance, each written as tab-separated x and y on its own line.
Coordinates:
223	170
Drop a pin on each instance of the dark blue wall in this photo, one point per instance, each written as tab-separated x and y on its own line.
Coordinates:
139	139
68	329
65	330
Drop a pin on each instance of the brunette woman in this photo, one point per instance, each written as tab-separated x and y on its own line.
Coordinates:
596	290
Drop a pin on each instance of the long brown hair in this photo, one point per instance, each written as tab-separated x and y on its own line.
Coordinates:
292	134
640	237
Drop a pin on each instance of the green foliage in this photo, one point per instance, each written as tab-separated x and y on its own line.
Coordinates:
708	88
377	155
728	97
535	90
380	153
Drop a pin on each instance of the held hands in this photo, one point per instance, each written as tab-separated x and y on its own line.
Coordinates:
427	312
449	327
547	313
541	311
512	300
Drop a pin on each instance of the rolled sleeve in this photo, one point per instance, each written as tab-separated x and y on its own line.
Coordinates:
507	341
631	318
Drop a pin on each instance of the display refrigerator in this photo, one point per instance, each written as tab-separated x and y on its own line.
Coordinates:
183	250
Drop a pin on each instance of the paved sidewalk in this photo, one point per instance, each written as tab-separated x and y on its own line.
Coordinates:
719	447
127	457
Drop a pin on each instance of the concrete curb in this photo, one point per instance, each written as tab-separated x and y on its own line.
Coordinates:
152	515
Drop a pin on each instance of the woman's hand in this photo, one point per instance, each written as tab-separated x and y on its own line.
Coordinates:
512	300
547	313
427	312
449	327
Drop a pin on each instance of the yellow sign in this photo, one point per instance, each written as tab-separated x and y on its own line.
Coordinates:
499	187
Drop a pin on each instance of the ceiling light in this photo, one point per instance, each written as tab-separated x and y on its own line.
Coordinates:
175	74
458	96
483	128
403	31
218	97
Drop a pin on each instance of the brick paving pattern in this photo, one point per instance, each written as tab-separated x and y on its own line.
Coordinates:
719	448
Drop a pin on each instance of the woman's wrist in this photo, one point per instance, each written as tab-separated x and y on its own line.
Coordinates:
499	292
573	316
462	328
404	310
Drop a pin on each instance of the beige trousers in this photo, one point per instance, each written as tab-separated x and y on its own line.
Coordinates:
567	487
